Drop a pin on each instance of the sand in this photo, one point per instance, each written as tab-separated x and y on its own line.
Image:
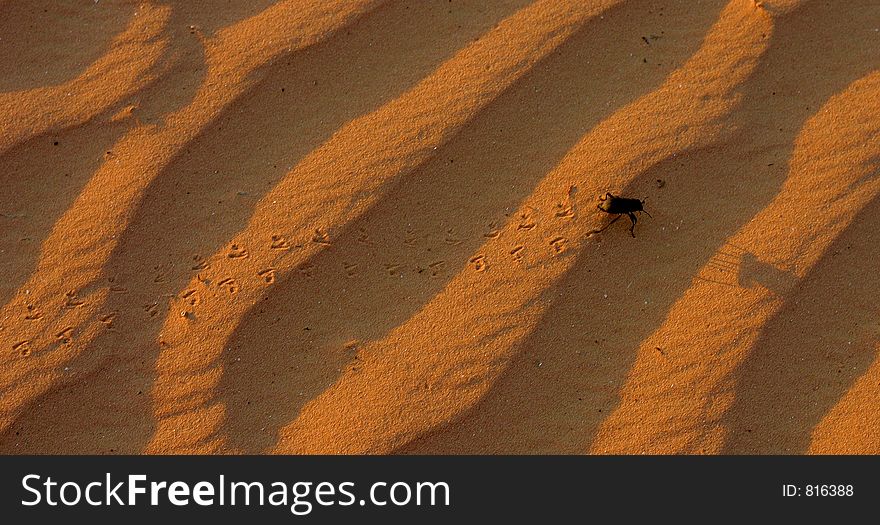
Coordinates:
366	227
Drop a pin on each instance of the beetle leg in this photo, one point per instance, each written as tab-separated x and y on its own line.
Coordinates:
603	228
632	227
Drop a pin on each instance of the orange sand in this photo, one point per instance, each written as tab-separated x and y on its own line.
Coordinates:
364	226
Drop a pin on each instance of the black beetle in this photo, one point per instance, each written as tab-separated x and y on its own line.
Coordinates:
621	206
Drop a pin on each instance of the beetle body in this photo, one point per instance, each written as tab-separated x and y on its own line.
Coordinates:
621	206
613	204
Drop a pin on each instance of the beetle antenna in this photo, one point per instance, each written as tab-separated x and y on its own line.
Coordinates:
643	207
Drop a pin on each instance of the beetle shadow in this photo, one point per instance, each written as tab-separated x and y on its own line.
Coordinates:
756	273
736	267
586	355
811	352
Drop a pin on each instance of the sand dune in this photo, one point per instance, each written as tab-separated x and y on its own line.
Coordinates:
366	227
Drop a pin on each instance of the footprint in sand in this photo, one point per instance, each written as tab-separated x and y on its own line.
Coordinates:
437	267
526	223
65	336
517	253
479	263
72	301
279	243
321	237
451	238
107	320
393	269
363	237
237	252
564	211
559	244
199	263
33	314
152	308
230	285
350	269
493	232
268	275
411	238
22	347
191	297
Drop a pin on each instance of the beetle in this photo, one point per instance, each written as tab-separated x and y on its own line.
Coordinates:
621	206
